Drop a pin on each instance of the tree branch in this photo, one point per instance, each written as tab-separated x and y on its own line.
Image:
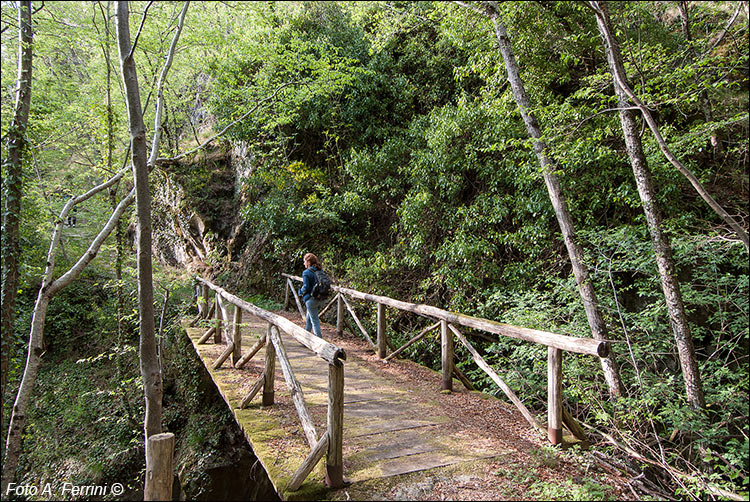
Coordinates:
245	115
160	85
621	81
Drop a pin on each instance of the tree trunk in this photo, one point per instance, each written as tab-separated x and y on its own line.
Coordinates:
152	385
47	291
621	80
662	246
13	191
564	218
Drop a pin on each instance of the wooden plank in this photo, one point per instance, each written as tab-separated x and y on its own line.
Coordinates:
309	464
287	287
381	336
359	324
499	381
253	390
567	343
412	341
253	350
298	397
334	459
446	356
325	350
554	395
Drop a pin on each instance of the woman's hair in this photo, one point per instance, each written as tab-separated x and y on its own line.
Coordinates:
312	260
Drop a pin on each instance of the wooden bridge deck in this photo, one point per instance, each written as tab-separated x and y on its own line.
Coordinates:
403	438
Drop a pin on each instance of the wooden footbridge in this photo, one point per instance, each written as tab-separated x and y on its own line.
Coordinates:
374	422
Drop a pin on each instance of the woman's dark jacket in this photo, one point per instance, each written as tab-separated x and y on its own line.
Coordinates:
308	283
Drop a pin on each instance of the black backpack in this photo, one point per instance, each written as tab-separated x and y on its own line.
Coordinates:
322	287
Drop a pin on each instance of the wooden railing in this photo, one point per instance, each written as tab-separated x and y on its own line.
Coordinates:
330	443
448	323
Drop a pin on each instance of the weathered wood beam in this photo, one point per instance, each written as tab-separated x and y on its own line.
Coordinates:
359	324
446	356
224	356
308	464
237	335
381	334
298	397
257	385
412	341
335	459
499	381
204	338
269	370
554	395
320	314
300	308
253	350
325	350
563	342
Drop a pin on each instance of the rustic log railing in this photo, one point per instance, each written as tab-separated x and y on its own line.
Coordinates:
330	443
448	323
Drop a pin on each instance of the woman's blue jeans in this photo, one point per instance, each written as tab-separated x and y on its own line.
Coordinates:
312	322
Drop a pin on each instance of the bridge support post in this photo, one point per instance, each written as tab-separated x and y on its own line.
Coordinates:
237	335
270	370
340	315
334	457
554	395
381	340
217	316
446	352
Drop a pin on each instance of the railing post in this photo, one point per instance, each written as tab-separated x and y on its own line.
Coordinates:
270	369
334	457
237	335
205	301
286	295
446	353
381	341
159	466
217	316
340	315
554	395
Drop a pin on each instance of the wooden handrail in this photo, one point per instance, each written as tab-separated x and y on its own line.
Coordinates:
563	342
325	350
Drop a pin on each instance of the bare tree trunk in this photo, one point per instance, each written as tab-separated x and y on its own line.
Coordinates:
47	291
13	191
152	385
564	218
621	80
662	246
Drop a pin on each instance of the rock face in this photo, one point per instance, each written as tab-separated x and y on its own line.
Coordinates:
196	209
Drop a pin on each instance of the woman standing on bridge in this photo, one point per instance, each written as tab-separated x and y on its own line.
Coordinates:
312	321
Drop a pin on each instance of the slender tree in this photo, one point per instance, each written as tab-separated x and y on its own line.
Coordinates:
620	78
662	247
13	189
562	212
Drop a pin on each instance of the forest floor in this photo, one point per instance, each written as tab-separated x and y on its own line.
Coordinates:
406	440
